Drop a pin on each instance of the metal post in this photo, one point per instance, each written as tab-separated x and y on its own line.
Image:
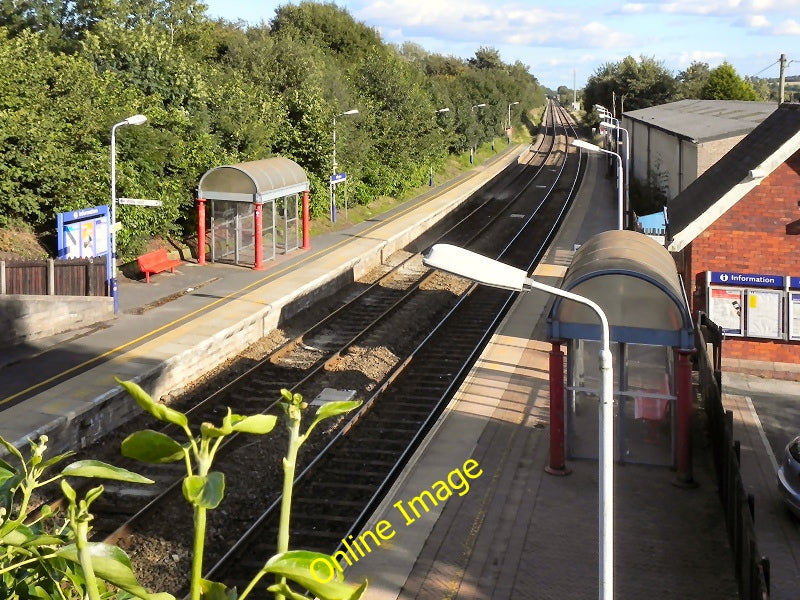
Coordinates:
306	234
556	464
201	231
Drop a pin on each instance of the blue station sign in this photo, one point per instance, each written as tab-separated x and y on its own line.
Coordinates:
746	279
338	177
794	283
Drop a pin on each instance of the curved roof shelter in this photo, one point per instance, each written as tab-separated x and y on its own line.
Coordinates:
255	181
635	282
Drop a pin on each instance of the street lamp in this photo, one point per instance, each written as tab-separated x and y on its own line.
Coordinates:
472	148
593	148
625	142
134	120
352	111
496	274
509	112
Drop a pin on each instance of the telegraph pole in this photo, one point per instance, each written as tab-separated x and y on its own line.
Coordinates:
782	85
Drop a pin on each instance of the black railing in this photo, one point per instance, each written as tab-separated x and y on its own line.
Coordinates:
752	569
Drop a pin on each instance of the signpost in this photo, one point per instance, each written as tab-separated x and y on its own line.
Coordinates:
336	179
139	202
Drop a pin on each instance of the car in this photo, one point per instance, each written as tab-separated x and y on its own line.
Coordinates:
789	476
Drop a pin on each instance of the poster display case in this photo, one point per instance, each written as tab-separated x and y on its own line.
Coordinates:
753	304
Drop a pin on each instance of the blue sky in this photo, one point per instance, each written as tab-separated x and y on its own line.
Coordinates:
571	42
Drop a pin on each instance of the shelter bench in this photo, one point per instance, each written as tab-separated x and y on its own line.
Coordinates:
156	262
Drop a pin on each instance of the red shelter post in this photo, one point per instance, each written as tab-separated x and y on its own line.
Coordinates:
556	464
259	259
683	460
201	231
306	233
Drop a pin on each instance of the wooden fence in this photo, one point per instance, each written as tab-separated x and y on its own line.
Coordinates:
73	277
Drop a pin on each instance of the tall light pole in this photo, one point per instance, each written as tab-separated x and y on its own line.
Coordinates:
509	112
626	141
334	180
593	148
472	146
134	120
496	274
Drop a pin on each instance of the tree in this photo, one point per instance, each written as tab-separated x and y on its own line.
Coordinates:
692	80
724	83
631	83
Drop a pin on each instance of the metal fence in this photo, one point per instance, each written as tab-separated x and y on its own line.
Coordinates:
74	277
752	569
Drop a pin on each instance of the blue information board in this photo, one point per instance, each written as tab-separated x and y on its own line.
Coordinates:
746	279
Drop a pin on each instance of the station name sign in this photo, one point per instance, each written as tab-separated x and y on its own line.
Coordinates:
746	279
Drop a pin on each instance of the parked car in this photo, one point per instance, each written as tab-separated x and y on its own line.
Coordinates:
789	476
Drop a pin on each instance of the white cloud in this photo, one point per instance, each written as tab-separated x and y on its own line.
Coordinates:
756	22
788	27
711	57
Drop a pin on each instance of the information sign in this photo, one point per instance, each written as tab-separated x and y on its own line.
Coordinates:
745	279
338	177
764	314
794	283
725	309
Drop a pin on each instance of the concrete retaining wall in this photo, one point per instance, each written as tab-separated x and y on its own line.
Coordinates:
26	318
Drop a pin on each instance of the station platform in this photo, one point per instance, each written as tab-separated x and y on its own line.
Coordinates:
518	532
180	325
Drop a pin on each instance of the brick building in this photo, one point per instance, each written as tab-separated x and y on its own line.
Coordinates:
734	234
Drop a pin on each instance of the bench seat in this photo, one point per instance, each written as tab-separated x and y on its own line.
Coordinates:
156	262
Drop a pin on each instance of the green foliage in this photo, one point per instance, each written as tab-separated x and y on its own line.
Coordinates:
45	555
204	489
725	84
630	84
219	93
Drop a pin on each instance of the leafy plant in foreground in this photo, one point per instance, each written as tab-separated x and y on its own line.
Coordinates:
204	489
44	555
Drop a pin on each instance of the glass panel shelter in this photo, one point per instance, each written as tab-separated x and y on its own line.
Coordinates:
635	282
253	211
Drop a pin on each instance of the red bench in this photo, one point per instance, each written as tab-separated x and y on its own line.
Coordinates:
156	262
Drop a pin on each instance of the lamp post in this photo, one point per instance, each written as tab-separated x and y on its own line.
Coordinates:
352	111
472	147
496	274
438	112
625	142
593	148
134	120
508	129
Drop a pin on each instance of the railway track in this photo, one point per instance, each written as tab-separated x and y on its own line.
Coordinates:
426	328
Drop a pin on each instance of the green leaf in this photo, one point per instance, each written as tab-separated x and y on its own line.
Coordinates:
24	537
296	565
331	409
208	431
212	590
159	411
111	564
152	447
257	424
12	449
204	492
101	470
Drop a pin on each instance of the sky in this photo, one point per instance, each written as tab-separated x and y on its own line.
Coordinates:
565	45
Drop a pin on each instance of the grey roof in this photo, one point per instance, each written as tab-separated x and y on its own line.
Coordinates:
254	181
728	180
705	120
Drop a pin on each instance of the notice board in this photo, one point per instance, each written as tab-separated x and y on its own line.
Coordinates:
794	315
725	309
765	313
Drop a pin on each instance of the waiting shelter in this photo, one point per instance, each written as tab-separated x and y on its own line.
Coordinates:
635	282
253	211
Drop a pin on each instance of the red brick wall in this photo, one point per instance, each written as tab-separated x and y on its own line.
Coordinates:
751	238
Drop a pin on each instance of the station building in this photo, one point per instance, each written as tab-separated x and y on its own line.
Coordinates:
733	224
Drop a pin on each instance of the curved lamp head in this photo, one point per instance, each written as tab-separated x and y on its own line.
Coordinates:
135	120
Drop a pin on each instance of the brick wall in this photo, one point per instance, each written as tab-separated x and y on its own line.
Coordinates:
751	238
